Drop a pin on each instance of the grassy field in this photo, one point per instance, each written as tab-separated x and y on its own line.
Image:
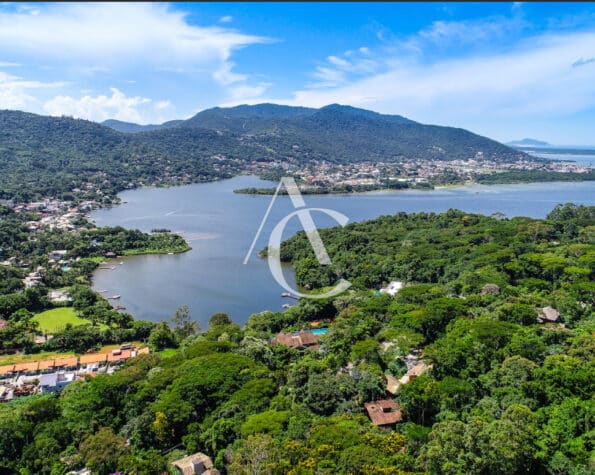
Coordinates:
56	319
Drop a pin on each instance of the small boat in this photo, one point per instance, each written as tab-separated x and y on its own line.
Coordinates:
120	307
170	253
121	262
288	295
102	291
115	297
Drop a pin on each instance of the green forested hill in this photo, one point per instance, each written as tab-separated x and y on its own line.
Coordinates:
52	155
44	156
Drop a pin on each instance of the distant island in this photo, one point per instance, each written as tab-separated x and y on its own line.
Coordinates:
528	143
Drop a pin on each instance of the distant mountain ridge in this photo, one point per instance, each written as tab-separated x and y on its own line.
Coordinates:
335	133
41	155
131	127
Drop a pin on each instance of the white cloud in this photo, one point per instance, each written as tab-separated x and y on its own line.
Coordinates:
105	36
226	76
328	77
160	105
340	62
18	93
485	91
226	19
98	44
99	108
9	64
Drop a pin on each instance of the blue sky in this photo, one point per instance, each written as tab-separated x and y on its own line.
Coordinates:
504	70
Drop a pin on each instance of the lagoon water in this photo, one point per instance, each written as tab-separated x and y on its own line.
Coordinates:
220	226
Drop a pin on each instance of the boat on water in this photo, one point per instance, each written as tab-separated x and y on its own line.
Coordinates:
115	297
288	295
121	262
102	291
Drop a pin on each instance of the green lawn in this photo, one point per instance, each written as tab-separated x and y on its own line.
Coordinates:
56	319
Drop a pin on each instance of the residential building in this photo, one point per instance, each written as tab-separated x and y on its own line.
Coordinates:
54	382
384	413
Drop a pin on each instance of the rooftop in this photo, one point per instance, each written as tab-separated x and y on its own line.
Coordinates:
384	412
301	339
23	367
198	463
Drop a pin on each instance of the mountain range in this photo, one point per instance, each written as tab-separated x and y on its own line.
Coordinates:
41	155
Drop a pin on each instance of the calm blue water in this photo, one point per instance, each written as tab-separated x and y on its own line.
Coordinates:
221	225
580	158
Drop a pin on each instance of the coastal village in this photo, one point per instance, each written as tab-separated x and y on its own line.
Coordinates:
322	174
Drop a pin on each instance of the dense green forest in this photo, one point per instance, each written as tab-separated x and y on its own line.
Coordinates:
504	395
50	156
531	176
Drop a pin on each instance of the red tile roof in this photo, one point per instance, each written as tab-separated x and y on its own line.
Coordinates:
384	412
6	369
93	358
46	364
122	355
66	362
23	367
301	339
